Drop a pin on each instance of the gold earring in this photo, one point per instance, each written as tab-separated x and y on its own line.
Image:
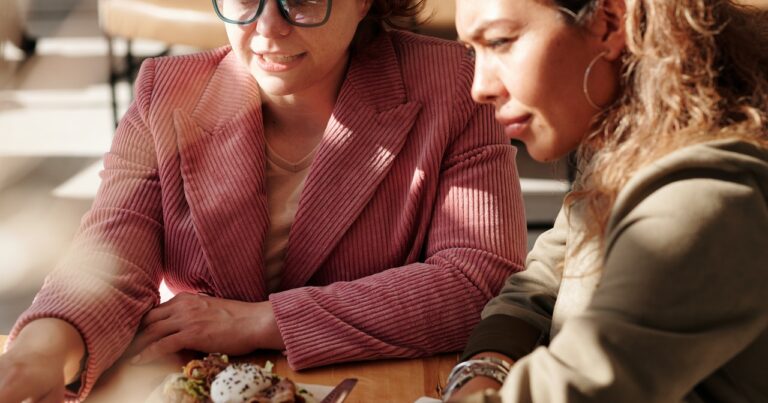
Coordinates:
585	81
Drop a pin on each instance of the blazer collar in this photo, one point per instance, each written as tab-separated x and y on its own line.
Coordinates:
231	92
222	148
369	125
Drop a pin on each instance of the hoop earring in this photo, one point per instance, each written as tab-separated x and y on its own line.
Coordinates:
569	13
585	81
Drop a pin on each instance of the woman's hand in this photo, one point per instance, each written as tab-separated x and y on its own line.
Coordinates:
207	324
30	376
43	358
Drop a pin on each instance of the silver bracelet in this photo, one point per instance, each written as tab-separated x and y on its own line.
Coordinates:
463	372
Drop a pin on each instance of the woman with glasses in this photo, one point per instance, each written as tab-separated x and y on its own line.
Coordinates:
651	287
323	186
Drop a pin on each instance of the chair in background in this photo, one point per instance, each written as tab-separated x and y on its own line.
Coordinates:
173	22
13	29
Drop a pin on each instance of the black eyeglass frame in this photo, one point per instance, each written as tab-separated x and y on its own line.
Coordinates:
280	7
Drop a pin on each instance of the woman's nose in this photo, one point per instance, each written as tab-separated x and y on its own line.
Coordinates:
271	23
487	88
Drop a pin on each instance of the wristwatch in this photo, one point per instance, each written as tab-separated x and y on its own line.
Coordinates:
463	372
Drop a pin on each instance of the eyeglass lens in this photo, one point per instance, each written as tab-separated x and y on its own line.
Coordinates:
299	12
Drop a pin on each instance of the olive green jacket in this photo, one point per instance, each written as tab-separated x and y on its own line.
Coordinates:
676	309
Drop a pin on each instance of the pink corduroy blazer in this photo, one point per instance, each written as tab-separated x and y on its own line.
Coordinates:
410	220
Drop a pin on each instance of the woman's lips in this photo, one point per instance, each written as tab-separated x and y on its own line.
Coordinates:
275	62
514	127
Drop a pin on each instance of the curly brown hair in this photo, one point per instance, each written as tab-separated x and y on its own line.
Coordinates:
387	13
693	71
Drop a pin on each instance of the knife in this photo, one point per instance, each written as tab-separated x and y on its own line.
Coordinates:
341	391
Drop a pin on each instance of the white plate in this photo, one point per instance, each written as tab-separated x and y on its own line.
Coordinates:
317	391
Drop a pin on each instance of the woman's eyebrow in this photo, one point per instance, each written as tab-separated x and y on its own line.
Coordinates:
510	25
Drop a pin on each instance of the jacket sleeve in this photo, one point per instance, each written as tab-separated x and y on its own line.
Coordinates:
521	315
110	276
682	292
476	239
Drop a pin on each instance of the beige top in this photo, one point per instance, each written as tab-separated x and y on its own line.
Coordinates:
285	181
678	311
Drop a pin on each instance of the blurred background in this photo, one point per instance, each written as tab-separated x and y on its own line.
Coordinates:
65	73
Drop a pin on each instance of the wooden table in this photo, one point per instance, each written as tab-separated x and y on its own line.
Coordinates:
378	381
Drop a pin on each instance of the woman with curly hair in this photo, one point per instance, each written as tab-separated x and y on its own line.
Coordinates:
651	286
322	186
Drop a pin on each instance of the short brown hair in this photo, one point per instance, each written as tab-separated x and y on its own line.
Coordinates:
387	13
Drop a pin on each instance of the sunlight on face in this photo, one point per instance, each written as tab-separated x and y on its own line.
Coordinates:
530	63
285	59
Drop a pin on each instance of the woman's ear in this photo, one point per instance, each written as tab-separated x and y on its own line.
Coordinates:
608	27
365	6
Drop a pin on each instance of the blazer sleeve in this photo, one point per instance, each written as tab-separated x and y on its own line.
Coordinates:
110	276
475	240
682	292
521	315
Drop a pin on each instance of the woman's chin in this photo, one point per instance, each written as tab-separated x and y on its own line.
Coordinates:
544	151
274	85
541	152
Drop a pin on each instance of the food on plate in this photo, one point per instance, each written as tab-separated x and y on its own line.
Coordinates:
215	379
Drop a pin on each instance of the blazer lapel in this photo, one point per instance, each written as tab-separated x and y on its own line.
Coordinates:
221	146
369	126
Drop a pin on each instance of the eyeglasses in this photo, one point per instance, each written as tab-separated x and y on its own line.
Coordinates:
301	13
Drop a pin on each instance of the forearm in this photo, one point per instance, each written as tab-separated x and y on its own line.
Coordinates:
56	339
508	336
404	312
